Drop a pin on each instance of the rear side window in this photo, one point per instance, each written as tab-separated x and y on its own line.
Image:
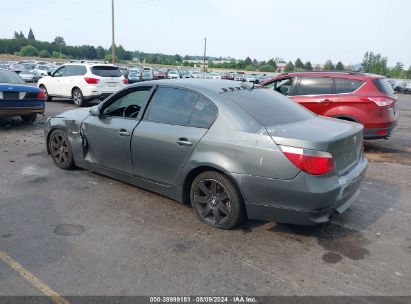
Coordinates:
315	86
172	106
106	71
203	115
269	108
344	85
383	86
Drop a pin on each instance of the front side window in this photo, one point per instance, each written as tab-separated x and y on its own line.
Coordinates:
59	72
282	85
172	106
315	86
130	105
345	85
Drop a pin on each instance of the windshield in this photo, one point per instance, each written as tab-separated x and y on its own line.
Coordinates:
10	77
106	71
133	74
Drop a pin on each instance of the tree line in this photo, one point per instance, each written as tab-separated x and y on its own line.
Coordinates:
28	46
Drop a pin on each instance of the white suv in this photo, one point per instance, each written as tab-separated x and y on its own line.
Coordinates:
82	82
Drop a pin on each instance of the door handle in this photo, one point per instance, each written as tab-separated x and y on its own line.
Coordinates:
123	132
182	141
326	100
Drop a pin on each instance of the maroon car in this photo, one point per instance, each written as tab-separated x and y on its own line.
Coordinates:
159	74
364	98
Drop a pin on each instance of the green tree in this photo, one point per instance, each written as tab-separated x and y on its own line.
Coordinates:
28	50
308	66
272	63
299	64
374	63
407	74
329	66
30	36
44	54
340	66
289	67
58	55
59	41
248	61
267	68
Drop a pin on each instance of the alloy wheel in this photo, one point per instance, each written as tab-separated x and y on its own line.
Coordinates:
212	201
59	149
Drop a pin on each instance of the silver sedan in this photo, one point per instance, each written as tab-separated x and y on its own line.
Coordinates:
231	150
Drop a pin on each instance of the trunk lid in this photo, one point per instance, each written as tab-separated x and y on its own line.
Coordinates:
343	139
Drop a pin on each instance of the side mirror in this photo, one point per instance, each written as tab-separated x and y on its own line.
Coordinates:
95	111
49	73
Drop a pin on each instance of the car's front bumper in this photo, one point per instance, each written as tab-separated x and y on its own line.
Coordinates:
305	199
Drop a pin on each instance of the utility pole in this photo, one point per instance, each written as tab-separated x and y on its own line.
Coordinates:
204	57
113	45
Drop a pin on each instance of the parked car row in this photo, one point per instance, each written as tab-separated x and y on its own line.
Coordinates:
30	71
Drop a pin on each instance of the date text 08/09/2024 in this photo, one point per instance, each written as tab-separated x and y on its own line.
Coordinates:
203	299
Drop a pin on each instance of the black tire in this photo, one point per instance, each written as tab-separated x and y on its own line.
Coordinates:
60	150
48	98
29	118
78	98
216	200
33	80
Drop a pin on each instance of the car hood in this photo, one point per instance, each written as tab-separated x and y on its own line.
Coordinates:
76	114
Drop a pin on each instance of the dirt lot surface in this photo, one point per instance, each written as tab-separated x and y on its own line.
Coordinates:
84	234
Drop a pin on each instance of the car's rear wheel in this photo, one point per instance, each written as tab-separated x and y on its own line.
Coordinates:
60	150
29	118
48	98
216	200
78	98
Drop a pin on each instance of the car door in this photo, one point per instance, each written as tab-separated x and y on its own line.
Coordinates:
165	139
108	135
316	93
73	77
53	84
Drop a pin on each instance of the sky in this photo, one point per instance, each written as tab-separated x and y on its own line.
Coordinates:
314	30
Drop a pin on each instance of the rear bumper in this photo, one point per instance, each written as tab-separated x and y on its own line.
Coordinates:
303	200
379	133
16	111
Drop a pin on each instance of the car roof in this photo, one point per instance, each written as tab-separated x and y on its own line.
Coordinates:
350	74
200	85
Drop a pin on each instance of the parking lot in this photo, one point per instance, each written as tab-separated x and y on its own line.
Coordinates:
85	234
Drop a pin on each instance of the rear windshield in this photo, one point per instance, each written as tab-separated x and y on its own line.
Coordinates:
269	108
106	71
10	77
383	86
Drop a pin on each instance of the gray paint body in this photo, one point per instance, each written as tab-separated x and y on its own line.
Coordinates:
272	187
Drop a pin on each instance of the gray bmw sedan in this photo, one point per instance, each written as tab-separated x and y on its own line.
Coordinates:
232	151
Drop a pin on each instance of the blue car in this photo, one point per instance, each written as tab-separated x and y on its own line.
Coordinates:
19	99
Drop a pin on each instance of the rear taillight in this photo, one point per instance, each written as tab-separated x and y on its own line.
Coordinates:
125	81
41	95
91	80
379	101
310	161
